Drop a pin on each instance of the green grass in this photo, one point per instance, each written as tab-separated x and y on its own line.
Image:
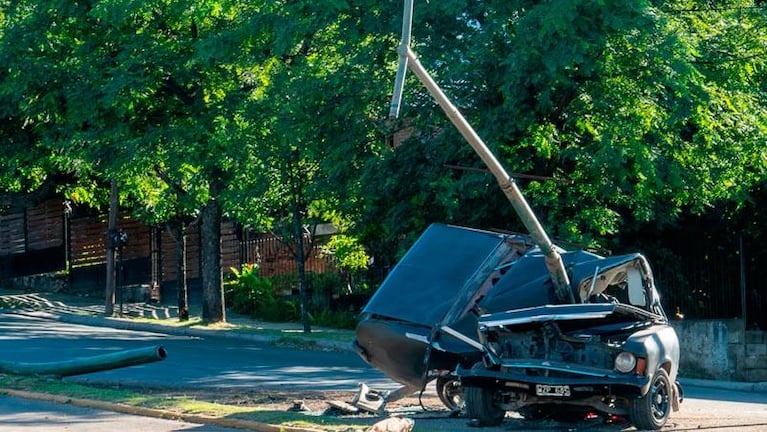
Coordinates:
192	322
175	405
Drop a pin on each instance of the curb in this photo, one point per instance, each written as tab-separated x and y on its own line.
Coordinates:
149	412
754	387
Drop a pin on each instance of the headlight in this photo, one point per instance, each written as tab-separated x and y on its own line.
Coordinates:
625	362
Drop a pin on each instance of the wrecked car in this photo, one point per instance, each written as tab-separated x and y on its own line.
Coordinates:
477	312
403	328
614	352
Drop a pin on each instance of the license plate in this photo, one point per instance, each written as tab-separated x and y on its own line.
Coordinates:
552	390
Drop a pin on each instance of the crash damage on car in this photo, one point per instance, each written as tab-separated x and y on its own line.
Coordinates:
477	312
614	353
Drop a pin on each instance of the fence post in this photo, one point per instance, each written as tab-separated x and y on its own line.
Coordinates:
743	303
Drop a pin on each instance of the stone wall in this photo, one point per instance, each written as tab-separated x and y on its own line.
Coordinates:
753	362
722	350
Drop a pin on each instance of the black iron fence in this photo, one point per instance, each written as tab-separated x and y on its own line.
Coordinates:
708	276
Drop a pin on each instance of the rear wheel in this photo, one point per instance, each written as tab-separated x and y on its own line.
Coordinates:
450	392
651	411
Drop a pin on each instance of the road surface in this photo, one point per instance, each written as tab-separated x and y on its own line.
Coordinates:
40	416
191	362
233	364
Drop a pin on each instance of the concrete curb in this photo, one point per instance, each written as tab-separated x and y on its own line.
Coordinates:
755	387
149	412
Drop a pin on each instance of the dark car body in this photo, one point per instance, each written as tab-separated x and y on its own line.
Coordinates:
481	305
434	285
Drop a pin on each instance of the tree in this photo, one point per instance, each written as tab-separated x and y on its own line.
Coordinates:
637	112
30	107
316	110
118	90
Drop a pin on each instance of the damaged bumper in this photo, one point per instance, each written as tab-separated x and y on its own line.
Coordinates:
580	381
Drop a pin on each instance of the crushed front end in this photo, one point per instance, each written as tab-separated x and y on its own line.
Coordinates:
599	355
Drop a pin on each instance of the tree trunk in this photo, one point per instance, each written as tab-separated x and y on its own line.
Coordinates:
212	276
111	280
296	186
298	234
178	230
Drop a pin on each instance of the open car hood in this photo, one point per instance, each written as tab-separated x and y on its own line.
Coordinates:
441	273
567	312
451	269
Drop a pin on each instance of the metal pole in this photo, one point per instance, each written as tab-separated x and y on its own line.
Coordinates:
553	259
85	365
399	81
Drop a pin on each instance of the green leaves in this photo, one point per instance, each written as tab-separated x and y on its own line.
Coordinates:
635	111
644	109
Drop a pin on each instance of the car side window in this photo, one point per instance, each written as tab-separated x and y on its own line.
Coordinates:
636	290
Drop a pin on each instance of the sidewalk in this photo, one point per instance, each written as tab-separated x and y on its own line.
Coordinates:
164	319
161	318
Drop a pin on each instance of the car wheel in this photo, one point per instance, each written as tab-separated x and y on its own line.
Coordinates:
481	406
450	392
651	411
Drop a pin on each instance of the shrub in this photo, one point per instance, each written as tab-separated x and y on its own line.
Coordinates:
340	319
250	293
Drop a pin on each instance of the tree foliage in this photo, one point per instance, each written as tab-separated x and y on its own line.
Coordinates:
636	112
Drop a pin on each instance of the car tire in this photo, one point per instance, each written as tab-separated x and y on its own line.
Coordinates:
450	392
481	406
651	411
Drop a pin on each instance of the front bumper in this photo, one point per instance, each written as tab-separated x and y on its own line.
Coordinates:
582	382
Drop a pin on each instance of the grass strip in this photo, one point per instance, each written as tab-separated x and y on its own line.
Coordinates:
160	406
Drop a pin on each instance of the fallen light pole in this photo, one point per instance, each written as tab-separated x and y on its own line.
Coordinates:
84	365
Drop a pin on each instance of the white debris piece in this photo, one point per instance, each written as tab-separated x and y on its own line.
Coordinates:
393	424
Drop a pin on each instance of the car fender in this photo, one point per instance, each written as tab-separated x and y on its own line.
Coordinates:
659	345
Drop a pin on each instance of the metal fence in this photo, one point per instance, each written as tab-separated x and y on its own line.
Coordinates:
713	278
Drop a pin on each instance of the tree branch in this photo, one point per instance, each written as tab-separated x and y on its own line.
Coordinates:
31	198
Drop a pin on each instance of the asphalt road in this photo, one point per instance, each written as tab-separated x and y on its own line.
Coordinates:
191	362
40	416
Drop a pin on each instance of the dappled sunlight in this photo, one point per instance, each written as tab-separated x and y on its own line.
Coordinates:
52	418
22	327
